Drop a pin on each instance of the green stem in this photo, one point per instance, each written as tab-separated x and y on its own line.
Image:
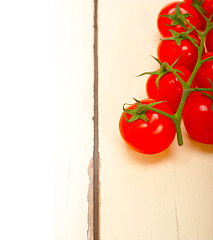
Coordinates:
207	59
192	26
192	41
197	66
177	123
148	107
185	85
178	114
200	53
185	94
202	89
199	10
175	118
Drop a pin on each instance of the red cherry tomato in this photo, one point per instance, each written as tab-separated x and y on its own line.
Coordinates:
205	72
169	9
170	88
207	6
209	41
168	51
150	137
198	117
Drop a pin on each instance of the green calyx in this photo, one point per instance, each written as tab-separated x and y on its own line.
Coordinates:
178	37
198	6
164	69
177	18
139	112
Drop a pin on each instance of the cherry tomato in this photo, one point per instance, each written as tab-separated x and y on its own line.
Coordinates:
169	51
205	72
198	117
169	9
150	137
170	88
207	6
209	41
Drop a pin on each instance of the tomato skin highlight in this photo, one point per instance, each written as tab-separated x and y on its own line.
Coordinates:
209	41
170	88
168	51
150	137
205	72
198	117
169	9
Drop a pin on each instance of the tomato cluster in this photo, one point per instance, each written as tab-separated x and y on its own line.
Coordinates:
182	88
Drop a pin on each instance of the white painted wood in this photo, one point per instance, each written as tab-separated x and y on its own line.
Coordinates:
73	112
26	106
165	196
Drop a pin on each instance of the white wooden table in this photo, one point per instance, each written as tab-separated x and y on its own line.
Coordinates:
165	196
160	197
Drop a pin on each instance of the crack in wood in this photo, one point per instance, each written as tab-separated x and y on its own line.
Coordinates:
176	216
90	202
176	193
93	232
93	199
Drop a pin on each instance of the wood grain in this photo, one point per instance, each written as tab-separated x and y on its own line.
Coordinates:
164	196
73	116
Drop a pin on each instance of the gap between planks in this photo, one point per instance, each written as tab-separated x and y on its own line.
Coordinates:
93	232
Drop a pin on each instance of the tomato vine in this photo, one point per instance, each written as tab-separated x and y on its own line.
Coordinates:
178	19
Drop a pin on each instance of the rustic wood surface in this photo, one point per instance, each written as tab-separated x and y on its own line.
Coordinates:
165	196
73	117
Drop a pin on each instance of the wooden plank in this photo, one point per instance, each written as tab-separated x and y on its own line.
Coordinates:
73	113
165	196
26	120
